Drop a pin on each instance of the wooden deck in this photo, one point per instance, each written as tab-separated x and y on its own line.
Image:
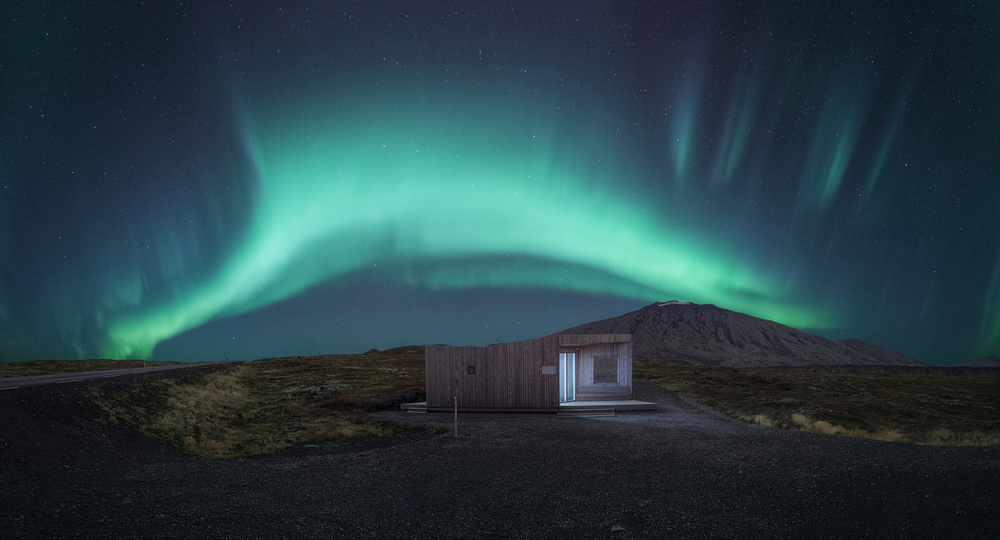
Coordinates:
568	408
617	405
587	408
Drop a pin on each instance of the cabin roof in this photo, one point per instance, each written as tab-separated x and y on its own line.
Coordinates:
578	340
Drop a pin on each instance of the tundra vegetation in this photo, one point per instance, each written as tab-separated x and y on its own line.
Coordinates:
924	408
272	404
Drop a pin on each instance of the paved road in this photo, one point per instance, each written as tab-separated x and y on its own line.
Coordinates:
10	383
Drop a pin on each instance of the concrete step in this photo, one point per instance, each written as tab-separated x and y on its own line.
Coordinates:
414	408
582	412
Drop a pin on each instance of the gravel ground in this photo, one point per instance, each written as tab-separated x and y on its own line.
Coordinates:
682	472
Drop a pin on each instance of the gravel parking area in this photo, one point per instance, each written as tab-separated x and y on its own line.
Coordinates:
682	472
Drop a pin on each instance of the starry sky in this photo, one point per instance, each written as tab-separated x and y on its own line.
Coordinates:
202	181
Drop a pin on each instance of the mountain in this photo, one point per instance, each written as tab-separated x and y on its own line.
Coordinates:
986	361
884	356
686	333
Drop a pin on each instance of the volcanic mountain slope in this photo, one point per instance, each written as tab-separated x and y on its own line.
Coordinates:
685	333
884	356
986	361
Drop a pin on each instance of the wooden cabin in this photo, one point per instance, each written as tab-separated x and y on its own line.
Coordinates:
532	375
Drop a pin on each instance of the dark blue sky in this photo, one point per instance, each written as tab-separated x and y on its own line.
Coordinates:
200	181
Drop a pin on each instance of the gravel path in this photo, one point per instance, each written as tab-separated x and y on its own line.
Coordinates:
682	472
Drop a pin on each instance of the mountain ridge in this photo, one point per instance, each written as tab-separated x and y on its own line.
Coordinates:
686	333
987	361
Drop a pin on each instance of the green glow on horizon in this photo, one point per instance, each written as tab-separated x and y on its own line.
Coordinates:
339	194
988	340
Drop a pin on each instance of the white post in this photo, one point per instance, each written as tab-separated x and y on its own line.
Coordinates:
456	416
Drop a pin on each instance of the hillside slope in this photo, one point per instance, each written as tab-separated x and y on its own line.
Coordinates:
686	333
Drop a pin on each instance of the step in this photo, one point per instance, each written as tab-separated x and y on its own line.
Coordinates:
414	408
586	411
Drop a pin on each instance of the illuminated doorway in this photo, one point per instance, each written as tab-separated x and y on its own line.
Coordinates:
567	376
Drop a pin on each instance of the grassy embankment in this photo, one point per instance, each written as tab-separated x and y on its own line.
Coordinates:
269	405
925	409
50	367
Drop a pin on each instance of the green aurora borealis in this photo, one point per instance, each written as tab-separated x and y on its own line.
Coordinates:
330	203
215	169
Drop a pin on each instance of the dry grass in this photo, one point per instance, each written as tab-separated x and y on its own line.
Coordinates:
269	405
49	367
934	409
819	426
759	419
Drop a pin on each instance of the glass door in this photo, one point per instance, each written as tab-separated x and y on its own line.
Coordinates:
567	376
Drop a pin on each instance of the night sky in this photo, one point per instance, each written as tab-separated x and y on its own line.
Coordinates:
198	181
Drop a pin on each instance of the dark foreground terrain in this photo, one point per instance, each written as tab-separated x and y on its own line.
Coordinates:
683	472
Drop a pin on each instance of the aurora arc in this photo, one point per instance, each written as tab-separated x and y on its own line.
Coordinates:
451	207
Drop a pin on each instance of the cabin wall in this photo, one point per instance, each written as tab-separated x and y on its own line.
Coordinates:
507	376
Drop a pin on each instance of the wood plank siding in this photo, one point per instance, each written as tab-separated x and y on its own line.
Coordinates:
510	376
504	376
